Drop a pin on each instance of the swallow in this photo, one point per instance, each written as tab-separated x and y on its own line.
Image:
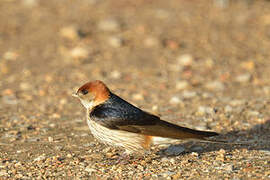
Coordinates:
114	121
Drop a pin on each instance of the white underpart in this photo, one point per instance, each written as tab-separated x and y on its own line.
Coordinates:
131	142
87	104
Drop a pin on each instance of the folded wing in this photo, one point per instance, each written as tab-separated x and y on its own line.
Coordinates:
120	115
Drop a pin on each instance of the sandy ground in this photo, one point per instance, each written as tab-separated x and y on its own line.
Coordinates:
201	64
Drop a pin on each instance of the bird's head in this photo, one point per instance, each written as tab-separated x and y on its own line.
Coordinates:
92	94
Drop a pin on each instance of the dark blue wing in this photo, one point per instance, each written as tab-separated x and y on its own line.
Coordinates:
117	112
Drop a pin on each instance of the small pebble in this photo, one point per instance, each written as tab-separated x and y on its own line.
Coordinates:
202	110
69	32
40	158
207	95
175	100
63	101
189	94
164	159
221	3
237	102
228	167
154	108
221	151
174	150
10	55
79	53
168	174
180	85
196	148
265	152
115	74
50	139
25	86
11	100
151	42
162	13
248	65
58	148
137	97
228	109
253	113
30	3
209	63
185	60
69	156
215	85
89	169
115	41
4	69
195	154
33	139
108	25
3	173
106	150
243	78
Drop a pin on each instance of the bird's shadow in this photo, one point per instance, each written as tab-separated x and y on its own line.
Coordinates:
255	138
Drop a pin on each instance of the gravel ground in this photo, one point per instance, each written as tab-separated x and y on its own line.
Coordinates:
202	64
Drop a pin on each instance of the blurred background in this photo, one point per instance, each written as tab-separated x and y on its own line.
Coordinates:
204	64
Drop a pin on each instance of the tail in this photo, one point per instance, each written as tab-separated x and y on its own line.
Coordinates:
167	130
166	133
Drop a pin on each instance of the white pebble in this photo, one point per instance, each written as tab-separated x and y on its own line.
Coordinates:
175	100
180	85
221	3
79	53
69	32
25	86
189	94
50	139
228	167
115	74
108	25
243	78
266	152
69	156
151	42
10	55
228	109
185	60
215	85
89	169
253	113
3	173
11	100
137	96
154	108
115	41
162	13
202	110
40	158
195	154
237	102
30	3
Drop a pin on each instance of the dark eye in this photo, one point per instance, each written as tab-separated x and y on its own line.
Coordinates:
84	91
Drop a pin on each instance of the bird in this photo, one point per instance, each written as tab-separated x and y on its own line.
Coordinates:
115	122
